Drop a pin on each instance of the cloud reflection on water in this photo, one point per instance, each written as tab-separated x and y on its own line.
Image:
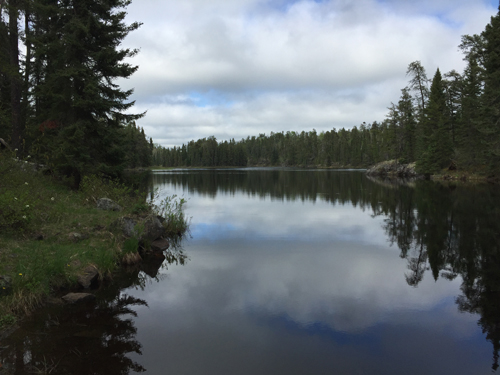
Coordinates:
300	287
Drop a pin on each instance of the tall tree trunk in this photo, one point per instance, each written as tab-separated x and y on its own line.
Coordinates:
27	69
17	128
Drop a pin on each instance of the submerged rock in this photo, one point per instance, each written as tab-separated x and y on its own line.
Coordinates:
73	298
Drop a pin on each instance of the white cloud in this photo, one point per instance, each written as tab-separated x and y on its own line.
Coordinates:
274	66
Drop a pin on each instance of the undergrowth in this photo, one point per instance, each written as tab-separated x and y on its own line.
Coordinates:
50	233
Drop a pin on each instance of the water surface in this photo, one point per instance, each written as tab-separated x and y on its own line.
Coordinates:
298	272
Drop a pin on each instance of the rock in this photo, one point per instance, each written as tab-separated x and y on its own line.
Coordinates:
159	245
108	205
73	298
153	228
88	277
147	229
77	237
126	225
392	168
5	285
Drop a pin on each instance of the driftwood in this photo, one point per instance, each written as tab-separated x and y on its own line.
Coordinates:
4	145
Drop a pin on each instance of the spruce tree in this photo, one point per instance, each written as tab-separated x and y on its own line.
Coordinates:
490	114
79	106
435	135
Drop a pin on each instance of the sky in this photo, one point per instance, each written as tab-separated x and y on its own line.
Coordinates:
238	68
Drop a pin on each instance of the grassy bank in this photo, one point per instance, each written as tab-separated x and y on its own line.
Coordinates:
49	233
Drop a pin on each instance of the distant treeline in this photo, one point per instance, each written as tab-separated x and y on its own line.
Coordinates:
452	121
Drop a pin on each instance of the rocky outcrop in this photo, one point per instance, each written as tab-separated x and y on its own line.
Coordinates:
108	205
148	231
392	168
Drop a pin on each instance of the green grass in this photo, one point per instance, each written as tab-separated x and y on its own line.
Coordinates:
38	218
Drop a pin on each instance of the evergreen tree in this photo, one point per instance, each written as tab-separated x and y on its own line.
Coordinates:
490	114
435	141
77	45
419	84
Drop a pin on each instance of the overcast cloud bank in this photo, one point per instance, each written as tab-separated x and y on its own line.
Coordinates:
233	68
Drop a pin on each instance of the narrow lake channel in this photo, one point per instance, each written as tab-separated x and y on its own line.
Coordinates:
296	272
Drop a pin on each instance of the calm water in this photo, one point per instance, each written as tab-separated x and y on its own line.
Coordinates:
295	272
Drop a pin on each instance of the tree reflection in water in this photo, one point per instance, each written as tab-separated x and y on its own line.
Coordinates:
451	229
85	339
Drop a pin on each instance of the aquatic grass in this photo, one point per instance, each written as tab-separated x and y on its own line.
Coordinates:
172	209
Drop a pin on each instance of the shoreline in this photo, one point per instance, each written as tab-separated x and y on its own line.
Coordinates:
56	240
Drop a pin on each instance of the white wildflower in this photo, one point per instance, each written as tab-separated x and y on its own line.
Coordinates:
27	206
52	199
24	216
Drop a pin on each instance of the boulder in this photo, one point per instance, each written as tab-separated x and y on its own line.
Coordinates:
153	228
108	205
88	277
74	298
126	225
159	245
146	229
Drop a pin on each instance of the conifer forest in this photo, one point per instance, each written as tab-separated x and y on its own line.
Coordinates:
449	121
60	104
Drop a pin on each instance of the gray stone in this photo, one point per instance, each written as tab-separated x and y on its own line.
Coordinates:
159	245
126	225
153	228
108	205
89	276
147	229
73	298
77	237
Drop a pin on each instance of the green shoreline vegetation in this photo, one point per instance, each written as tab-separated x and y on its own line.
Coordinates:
49	233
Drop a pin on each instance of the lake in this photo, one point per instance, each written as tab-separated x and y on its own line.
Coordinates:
295	272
